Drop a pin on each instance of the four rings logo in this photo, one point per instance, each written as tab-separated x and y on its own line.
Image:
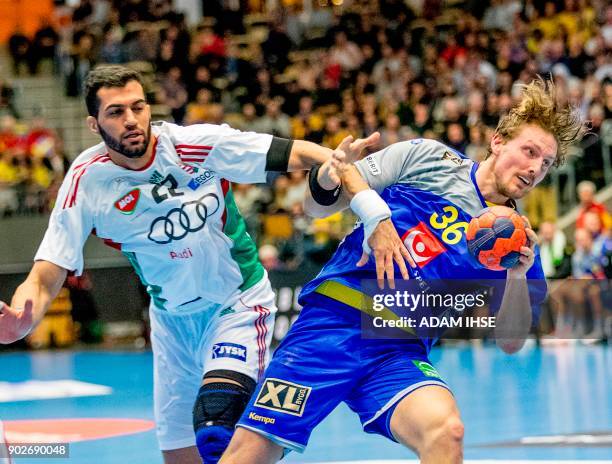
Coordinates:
178	222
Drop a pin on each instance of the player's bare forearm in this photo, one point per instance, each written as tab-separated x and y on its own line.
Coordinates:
514	319
352	181
304	155
43	283
31	301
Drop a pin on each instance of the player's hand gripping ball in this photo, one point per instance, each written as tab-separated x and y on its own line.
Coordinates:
495	237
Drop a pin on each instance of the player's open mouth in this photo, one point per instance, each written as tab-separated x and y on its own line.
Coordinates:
524	180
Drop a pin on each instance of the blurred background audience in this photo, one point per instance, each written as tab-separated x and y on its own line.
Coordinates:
323	70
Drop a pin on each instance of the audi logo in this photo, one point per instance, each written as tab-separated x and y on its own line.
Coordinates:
190	217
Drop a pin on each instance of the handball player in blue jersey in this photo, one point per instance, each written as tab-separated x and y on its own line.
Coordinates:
427	189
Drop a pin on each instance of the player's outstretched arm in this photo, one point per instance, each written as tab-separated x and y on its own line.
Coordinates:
328	178
514	318
305	155
380	236
30	301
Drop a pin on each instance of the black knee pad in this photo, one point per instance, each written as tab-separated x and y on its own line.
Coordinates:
222	403
218	407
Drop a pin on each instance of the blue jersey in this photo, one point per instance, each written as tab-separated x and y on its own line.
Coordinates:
325	358
432	192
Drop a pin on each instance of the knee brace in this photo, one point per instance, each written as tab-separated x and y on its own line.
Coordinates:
218	407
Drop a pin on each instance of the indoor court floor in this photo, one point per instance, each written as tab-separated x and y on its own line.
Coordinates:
542	405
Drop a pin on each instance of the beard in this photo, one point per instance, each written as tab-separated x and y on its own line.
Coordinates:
509	192
505	188
502	190
123	148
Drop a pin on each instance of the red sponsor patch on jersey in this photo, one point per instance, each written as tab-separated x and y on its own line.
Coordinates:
422	244
127	203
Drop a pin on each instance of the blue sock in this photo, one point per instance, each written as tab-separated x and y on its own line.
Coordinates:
212	441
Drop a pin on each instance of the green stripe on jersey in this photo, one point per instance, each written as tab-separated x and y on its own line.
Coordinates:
244	251
153	290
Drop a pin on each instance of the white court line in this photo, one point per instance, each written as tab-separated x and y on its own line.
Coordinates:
49	389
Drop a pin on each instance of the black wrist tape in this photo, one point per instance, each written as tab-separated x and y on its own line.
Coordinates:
319	194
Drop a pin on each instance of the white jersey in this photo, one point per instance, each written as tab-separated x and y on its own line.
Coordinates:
175	219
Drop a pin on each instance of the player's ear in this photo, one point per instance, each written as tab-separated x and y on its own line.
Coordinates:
496	143
92	123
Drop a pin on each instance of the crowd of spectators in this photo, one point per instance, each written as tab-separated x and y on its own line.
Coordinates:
413	68
580	301
32	166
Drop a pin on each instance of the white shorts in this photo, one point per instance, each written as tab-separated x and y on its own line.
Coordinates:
185	347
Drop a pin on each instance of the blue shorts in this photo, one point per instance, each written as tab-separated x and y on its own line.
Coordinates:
323	361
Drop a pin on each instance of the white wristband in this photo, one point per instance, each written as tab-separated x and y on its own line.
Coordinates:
371	209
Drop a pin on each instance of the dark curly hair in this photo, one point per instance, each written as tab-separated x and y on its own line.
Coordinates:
107	75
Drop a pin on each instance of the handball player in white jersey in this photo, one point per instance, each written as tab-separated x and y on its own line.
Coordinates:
160	193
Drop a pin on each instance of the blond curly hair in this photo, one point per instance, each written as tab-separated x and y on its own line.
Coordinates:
539	105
